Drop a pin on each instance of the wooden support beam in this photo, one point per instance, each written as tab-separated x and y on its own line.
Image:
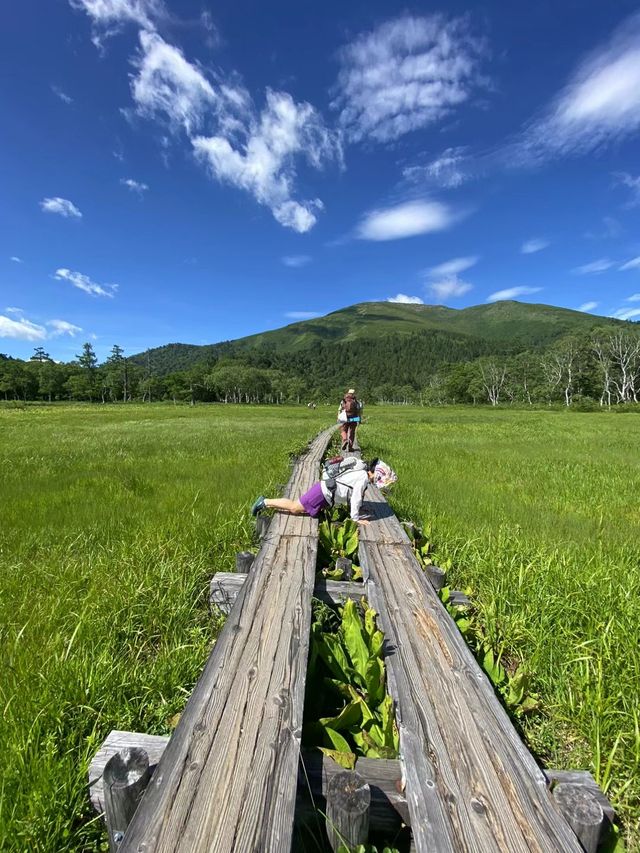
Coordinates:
244	561
126	776
388	804
225	588
583	813
348	805
585	780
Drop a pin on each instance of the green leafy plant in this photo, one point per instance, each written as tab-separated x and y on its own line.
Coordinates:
346	667
337	540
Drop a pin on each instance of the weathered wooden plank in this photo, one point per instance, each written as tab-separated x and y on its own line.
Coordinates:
227	779
384	526
388	804
586	780
225	587
471	783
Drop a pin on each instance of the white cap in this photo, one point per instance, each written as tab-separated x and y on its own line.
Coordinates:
351	391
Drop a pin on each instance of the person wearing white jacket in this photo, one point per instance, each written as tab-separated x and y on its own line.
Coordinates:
347	488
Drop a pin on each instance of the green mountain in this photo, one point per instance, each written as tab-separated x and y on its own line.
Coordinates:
434	333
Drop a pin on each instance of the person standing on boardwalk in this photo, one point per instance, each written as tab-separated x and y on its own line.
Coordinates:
347	488
349	417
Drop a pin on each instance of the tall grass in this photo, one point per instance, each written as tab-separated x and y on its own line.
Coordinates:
539	513
112	520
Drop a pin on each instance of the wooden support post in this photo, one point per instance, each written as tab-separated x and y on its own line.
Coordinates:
582	812
348	804
244	561
262	526
346	567
126	775
436	576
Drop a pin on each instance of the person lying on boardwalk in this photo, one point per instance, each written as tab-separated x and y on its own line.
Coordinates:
347	488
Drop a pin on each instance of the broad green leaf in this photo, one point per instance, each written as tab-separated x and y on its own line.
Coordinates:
333	654
374	678
377	641
339	686
369	623
344	759
356	573
336	740
374	750
349	716
354	641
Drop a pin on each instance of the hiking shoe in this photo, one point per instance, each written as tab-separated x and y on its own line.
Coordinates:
258	506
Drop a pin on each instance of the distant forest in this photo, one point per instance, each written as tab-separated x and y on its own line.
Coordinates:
599	368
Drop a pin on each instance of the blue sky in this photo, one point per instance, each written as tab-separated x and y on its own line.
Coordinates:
183	171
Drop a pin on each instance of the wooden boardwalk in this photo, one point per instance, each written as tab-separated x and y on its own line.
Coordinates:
471	784
227	780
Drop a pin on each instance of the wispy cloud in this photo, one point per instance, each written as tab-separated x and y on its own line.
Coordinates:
62	327
83	282
14	310
254	151
405	220
57	91
633	298
296	261
633	183
594	267
598	105
62	206
406	74
529	247
135	186
302	315
403	299
587	306
452	267
15	259
450	170
512	293
449	288
633	264
109	16
626	313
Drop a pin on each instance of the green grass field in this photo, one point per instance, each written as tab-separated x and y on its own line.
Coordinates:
113	519
539	513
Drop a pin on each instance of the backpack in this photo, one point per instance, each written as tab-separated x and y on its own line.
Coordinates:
334	467
337	465
351	406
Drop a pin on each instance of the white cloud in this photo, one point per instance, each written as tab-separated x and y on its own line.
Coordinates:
633	264
405	220
83	282
62	327
14	310
302	315
601	265
262	163
57	91
599	104
403	299
62	206
587	306
252	151
134	186
633	298
108	16
452	267
449	170
632	183
21	329
512	293
296	260
529	247
449	288
626	313
167	84
406	74
15	259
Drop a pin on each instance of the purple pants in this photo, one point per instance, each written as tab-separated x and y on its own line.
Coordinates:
314	501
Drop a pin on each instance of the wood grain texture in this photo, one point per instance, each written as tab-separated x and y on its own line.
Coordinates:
228	777
471	784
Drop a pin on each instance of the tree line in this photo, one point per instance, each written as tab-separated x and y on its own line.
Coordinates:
601	368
